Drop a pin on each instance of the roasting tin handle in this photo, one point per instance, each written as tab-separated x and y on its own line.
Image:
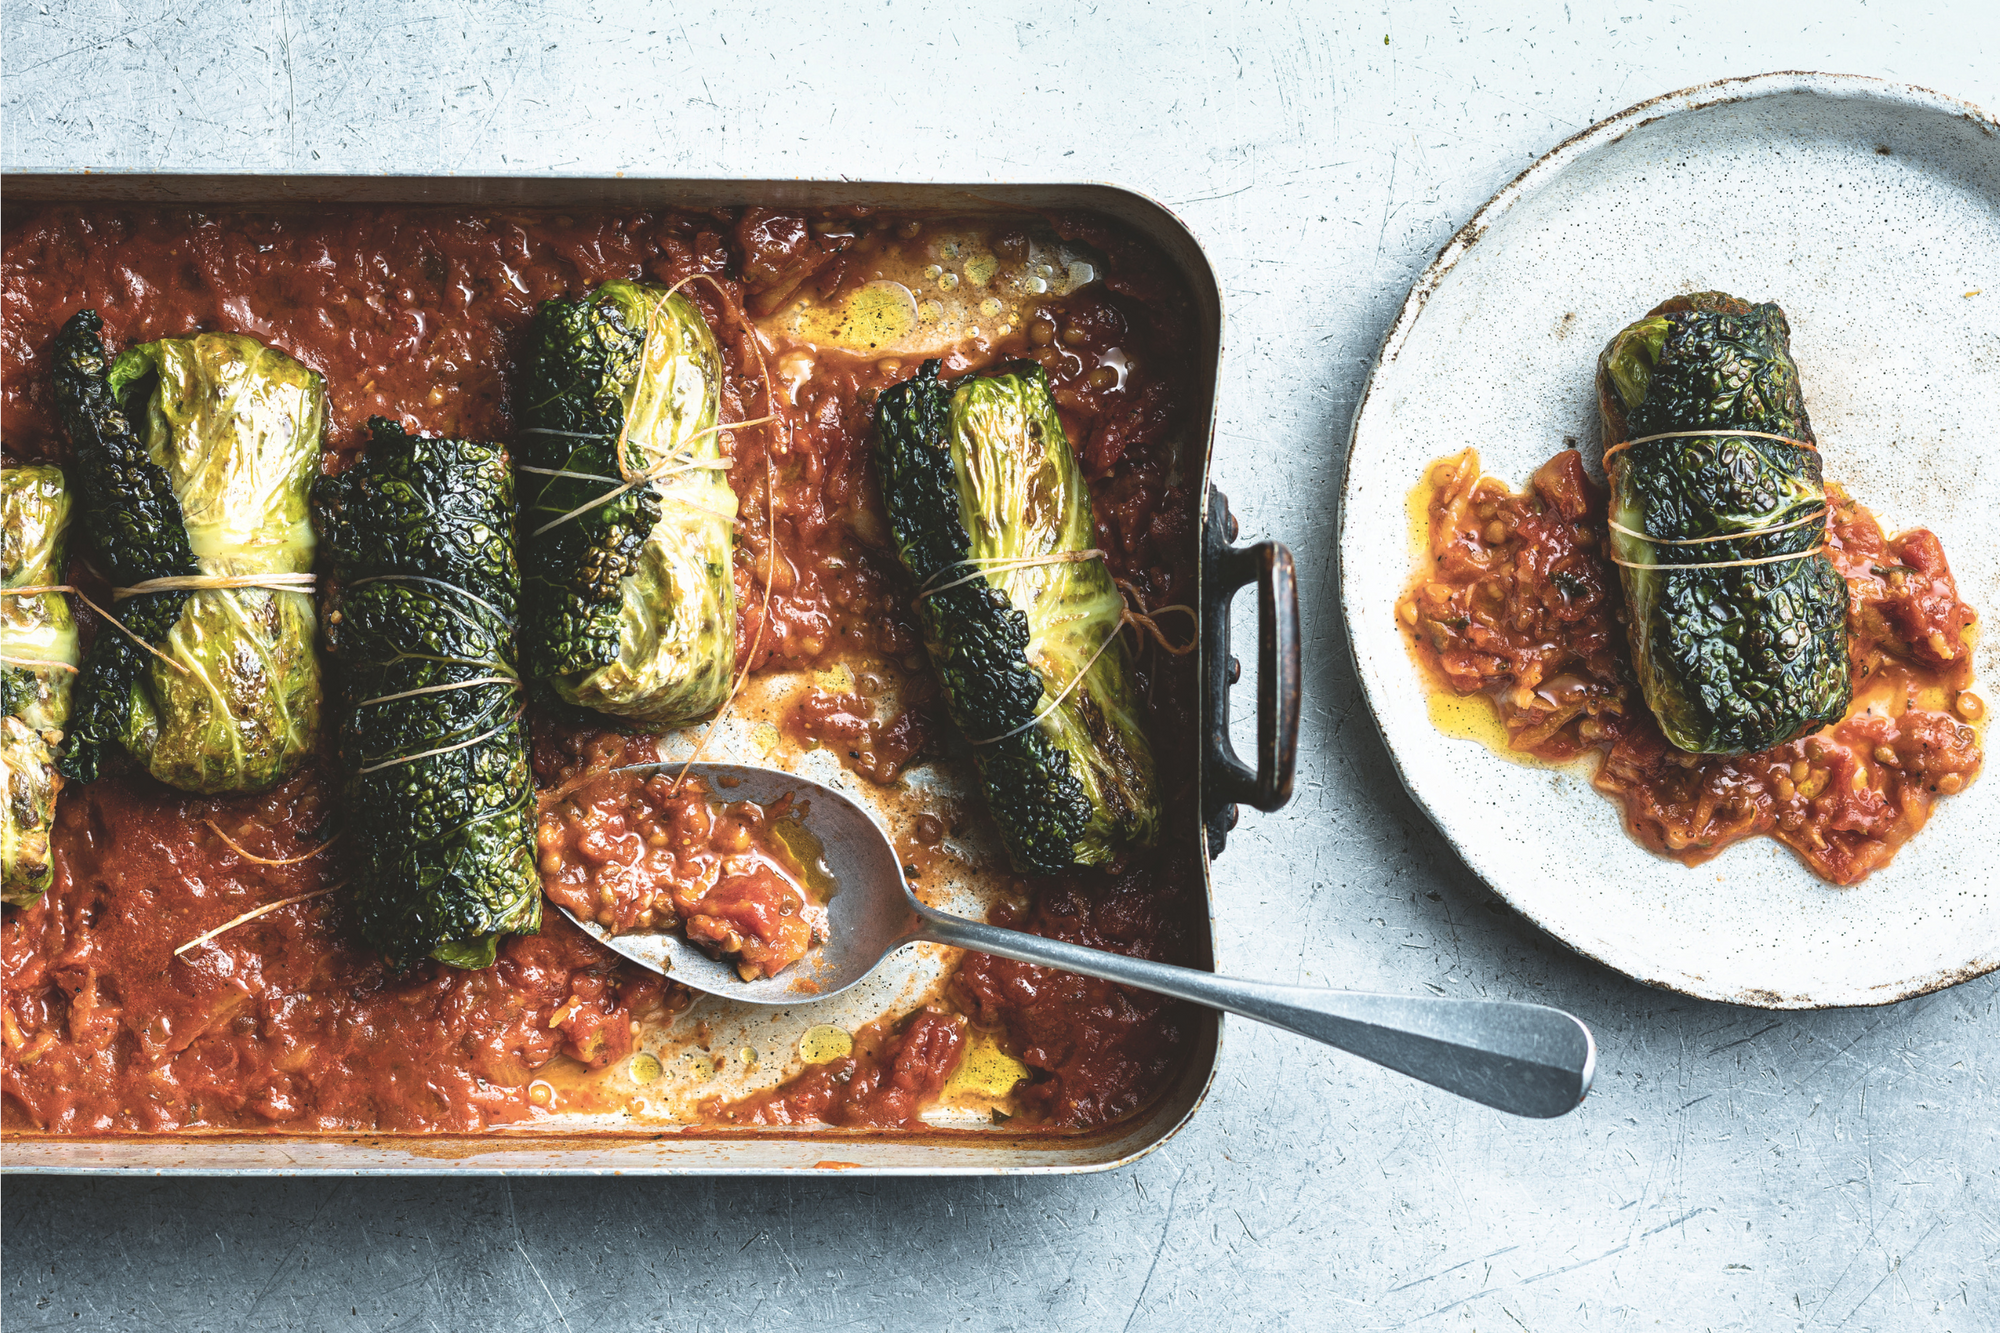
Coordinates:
1226	779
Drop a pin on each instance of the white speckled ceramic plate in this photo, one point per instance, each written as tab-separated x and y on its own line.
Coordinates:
1871	212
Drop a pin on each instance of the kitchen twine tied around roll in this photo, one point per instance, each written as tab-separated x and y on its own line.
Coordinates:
1821	516
173	583
501	676
679	463
674	464
1141	619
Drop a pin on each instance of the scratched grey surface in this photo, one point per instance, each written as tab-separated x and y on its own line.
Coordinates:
1733	1170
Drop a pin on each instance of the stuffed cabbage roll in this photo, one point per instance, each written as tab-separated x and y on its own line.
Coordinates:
439	796
1738	624
38	655
630	595
192	459
987	505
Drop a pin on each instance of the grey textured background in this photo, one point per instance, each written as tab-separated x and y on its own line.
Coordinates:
1733	1170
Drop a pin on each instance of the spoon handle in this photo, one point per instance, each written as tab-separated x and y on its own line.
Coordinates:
1527	1059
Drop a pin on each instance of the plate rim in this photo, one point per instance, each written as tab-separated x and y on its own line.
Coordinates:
1531	180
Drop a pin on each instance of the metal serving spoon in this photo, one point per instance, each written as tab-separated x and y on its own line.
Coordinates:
1524	1058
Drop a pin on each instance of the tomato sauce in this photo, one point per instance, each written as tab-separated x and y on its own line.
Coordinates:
277	1023
648	852
1521	605
1103	1049
849	723
894	1071
418	314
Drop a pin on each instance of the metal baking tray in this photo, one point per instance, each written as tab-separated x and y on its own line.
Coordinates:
615	1143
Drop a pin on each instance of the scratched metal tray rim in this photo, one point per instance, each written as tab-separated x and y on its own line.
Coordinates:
676	1150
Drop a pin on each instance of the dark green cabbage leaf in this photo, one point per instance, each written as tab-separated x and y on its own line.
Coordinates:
193	456
38	632
421	627
1735	660
976	474
631	604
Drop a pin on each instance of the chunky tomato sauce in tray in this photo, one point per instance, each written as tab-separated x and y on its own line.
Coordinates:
417	314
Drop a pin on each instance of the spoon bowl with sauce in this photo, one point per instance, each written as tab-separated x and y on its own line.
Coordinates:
1526	1059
